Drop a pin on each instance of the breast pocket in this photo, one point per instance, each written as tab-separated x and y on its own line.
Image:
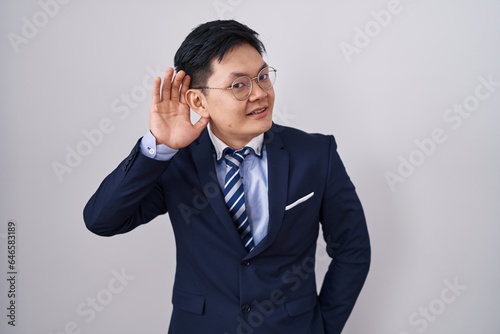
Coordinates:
302	202
300	224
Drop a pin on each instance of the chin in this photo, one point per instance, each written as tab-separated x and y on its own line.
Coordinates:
266	125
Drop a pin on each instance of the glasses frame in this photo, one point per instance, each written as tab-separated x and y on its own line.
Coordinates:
256	79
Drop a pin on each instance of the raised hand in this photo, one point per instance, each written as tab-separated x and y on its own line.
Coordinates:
169	119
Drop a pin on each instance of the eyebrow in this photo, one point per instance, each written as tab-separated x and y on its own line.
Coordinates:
240	74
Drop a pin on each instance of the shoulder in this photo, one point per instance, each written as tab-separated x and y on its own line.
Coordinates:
299	139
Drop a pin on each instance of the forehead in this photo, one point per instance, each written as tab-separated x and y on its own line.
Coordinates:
240	60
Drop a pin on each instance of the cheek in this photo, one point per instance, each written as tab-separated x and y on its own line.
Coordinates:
271	96
230	110
228	115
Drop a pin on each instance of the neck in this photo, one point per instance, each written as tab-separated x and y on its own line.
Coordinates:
235	142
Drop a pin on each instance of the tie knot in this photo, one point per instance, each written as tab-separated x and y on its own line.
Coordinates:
236	157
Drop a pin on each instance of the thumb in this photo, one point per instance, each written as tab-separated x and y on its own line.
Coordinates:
201	124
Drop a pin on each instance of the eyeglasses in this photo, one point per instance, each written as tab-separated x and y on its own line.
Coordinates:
242	86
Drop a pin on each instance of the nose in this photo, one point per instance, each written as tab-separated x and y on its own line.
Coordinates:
257	92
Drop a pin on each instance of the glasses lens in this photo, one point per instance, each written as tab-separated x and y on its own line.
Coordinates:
266	78
241	88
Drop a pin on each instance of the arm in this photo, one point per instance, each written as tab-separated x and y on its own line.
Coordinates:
346	235
132	194
128	197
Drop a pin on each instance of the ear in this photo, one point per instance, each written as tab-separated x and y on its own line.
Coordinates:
197	102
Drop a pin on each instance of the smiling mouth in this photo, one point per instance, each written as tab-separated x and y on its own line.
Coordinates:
257	112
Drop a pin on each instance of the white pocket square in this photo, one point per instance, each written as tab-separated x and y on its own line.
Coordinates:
300	200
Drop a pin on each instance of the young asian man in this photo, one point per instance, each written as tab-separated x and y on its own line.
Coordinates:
246	197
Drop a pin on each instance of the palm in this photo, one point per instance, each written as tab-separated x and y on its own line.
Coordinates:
170	120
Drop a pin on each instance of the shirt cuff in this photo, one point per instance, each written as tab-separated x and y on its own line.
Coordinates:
158	152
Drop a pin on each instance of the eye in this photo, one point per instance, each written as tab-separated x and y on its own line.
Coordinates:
264	77
239	85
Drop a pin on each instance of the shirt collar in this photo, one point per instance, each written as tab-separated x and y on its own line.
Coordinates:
255	144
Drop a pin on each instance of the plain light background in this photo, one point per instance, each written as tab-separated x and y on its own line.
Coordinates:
87	65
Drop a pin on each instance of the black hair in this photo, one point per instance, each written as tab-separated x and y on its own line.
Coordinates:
210	40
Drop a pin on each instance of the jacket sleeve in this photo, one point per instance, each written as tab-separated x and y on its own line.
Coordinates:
128	197
346	235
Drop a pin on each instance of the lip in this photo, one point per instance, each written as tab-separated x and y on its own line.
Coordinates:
259	113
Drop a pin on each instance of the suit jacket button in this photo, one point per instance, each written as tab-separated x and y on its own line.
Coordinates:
245	263
245	308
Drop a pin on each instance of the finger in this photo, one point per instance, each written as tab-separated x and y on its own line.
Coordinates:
201	124
156	91
176	85
167	84
184	88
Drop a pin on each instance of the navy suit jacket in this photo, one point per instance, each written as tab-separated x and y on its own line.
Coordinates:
220	288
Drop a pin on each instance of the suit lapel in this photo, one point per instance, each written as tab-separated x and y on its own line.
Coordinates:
277	164
204	160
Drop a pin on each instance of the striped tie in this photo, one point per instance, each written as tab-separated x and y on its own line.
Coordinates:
234	195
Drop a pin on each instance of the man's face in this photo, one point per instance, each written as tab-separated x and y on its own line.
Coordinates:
237	122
